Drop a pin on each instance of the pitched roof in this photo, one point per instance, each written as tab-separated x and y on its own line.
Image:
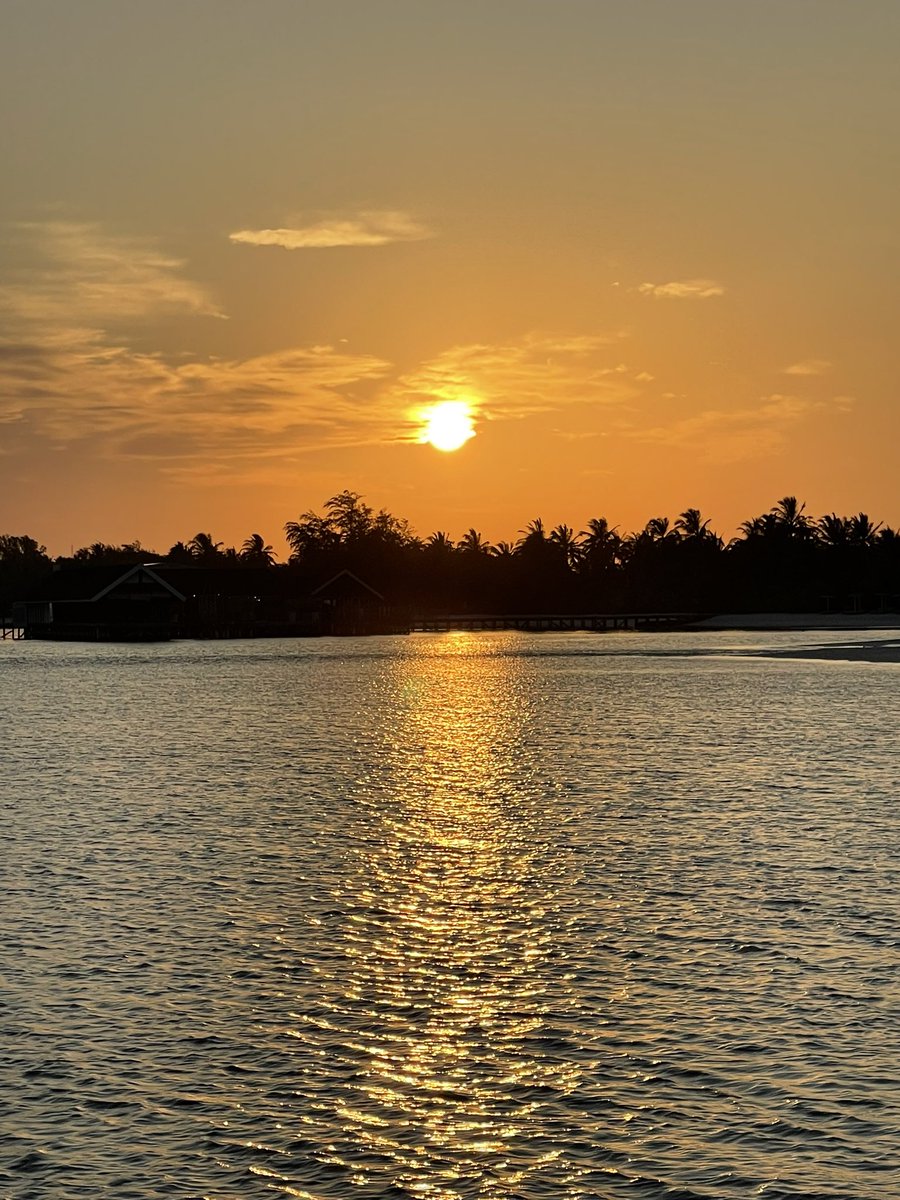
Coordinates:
141	569
79	583
236	580
345	576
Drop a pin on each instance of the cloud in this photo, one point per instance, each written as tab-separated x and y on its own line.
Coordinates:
363	229
215	418
70	376
136	403
737	434
77	381
809	366
684	289
539	372
77	268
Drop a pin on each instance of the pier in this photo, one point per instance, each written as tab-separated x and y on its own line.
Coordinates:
550	622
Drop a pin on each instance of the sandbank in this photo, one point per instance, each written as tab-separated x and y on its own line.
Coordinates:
851	622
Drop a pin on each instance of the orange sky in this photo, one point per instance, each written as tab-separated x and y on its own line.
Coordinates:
652	244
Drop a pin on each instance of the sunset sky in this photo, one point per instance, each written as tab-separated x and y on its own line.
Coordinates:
652	243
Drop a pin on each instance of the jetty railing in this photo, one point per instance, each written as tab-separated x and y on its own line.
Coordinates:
550	622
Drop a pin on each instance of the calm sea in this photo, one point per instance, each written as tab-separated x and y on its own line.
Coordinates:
496	916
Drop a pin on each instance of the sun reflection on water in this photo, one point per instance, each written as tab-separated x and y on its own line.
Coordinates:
449	942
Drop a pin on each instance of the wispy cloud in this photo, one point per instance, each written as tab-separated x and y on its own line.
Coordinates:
143	404
683	289
79	381
536	373
809	367
361	229
733	435
69	374
77	271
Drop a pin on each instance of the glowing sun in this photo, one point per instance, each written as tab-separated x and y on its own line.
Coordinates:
448	425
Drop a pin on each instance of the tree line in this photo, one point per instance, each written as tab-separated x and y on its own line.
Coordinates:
781	560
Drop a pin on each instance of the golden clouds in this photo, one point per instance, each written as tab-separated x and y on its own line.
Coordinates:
75	371
72	381
214	410
536	373
809	367
70	375
376	228
684	289
734	435
82	274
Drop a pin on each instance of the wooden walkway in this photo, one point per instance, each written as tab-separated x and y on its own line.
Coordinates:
551	622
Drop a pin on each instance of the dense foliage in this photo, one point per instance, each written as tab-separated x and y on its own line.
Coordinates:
783	559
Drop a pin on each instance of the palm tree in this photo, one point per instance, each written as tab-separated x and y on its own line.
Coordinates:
564	538
533	535
761	528
689	524
790	517
600	545
832	530
439	542
504	550
473	543
256	553
656	529
861	531
204	549
179	553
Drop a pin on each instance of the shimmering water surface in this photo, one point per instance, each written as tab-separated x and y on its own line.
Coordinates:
463	916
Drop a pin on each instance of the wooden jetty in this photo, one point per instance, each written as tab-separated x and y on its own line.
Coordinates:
551	622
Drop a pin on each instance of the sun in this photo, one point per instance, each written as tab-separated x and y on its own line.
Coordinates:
448	425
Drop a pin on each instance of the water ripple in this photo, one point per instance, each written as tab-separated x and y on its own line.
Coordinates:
501	917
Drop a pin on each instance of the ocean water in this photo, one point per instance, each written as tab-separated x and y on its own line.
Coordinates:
473	915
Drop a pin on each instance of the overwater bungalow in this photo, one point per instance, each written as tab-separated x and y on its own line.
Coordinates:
160	601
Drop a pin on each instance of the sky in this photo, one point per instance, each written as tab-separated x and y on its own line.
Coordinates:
245	247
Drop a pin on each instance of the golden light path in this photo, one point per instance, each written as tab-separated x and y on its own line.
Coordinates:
448	425
444	1065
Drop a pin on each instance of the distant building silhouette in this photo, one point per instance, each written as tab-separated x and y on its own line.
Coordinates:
158	601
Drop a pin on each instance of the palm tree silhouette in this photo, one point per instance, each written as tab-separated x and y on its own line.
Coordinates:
656	530
204	549
565	540
534	536
473	543
790	517
600	544
832	530
861	531
256	553
690	525
439	542
765	527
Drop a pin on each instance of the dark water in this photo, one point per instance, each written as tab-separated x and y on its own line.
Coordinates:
449	917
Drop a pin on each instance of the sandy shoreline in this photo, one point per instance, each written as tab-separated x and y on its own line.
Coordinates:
800	622
873	652
879	651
